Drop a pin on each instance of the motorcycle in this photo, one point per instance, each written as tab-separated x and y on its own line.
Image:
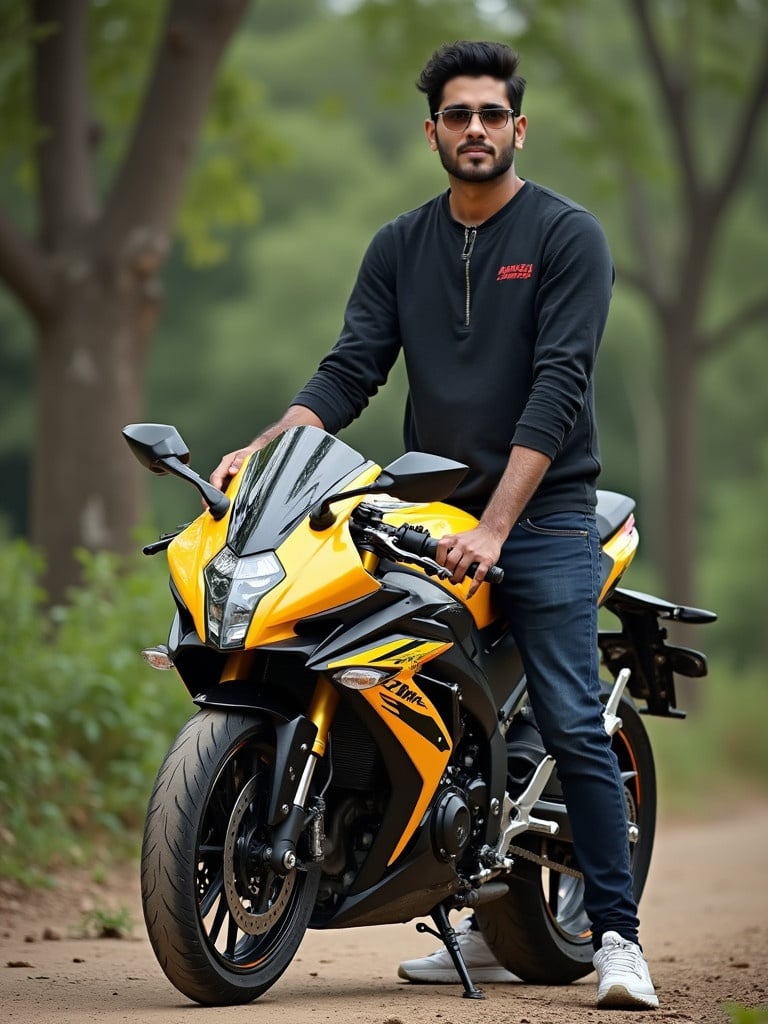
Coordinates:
364	752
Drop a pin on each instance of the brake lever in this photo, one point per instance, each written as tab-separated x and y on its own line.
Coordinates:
432	567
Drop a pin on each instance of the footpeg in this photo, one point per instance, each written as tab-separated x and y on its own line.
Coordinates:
517	813
447	936
612	721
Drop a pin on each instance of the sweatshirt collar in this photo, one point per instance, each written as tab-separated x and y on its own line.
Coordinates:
494	219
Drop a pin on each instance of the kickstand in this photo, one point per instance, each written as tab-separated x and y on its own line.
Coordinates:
448	936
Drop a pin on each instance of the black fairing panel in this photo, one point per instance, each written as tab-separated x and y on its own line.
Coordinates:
400	895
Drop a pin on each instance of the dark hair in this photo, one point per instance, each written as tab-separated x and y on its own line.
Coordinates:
475	59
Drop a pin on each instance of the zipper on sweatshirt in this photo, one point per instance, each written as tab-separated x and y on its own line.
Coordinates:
470	234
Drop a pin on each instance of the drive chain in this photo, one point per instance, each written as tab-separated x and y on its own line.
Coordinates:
545	862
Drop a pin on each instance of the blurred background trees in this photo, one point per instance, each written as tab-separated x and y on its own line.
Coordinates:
652	114
104	197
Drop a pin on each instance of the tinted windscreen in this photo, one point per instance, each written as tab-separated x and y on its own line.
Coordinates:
283	481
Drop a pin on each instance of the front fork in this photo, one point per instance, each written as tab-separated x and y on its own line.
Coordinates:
304	743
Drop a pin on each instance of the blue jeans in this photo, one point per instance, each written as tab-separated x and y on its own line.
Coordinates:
549	596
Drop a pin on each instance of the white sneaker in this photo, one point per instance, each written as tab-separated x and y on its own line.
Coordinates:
623	979
438	969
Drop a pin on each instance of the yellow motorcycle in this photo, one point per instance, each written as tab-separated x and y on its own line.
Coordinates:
364	751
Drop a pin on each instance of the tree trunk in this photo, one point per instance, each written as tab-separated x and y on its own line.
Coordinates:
87	491
90	280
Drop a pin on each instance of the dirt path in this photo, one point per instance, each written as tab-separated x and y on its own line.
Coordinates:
705	930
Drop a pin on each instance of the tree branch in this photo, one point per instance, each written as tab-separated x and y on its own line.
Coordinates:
24	270
141	208
67	195
751	313
641	226
643	285
745	135
674	95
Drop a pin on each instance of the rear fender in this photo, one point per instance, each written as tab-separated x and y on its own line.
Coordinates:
641	647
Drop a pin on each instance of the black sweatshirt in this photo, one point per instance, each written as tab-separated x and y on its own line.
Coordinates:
499	326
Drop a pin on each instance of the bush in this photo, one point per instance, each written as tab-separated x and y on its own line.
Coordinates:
84	722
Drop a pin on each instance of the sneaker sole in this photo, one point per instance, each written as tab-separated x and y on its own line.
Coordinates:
480	976
619	997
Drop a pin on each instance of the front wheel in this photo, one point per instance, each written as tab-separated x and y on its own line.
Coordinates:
540	930
223	926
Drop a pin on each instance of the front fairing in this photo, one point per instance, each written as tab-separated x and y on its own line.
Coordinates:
271	499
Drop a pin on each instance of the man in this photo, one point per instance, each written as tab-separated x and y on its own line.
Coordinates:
497	293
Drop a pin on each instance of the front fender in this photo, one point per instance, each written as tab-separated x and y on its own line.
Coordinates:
294	736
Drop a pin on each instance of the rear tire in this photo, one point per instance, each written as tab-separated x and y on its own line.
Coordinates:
222	925
540	930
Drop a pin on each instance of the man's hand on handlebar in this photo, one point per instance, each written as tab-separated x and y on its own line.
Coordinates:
460	550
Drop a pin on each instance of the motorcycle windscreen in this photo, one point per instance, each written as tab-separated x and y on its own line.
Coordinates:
283	481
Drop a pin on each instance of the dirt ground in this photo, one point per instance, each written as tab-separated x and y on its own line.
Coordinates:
705	931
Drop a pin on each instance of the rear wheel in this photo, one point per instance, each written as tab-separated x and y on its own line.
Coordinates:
222	924
540	930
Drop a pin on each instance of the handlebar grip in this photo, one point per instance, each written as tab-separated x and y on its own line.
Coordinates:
494	575
420	542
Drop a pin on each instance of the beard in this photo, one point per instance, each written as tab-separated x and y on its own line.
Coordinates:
480	172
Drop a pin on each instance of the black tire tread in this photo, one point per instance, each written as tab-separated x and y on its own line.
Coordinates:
168	868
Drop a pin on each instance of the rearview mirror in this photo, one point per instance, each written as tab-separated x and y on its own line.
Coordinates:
417	476
153	442
160	448
414	476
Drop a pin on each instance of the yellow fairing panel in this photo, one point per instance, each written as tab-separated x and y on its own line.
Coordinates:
440	519
317	564
414	721
621	549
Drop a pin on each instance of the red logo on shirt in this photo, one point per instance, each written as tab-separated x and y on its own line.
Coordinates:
515	272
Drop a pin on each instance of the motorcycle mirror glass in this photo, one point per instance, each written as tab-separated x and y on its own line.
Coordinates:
417	476
151	443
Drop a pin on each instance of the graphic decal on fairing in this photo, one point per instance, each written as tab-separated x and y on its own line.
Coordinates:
402	653
401	703
410	655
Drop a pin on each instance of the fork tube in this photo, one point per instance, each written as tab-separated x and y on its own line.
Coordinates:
370	561
321	711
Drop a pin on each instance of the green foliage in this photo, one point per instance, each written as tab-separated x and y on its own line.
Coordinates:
105	923
19	132
84	723
237	141
745	1015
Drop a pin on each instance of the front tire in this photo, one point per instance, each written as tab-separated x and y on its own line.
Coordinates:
539	930
223	926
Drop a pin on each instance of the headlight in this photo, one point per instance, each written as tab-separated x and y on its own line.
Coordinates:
234	587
